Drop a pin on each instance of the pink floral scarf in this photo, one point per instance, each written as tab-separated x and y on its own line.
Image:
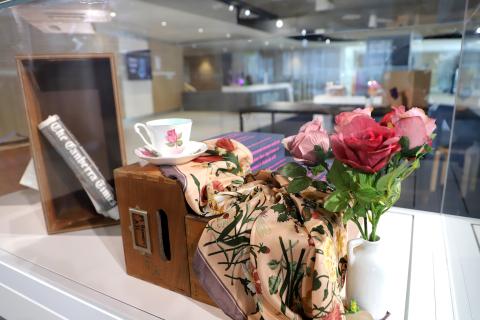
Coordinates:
267	254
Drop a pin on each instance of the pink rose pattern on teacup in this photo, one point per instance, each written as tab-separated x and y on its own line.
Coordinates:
174	139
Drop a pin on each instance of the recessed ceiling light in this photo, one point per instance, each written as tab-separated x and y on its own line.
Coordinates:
267	43
113	14
304	32
249	40
327	41
247	12
228	35
231	7
477	30
200	30
164	23
279	23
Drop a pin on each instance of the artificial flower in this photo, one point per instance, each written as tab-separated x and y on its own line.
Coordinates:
302	145
365	145
413	124
345	118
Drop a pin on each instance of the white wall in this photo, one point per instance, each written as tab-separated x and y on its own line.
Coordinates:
137	94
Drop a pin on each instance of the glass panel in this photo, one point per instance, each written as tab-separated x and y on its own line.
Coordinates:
462	183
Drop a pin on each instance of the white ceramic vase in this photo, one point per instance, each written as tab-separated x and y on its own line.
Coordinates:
367	276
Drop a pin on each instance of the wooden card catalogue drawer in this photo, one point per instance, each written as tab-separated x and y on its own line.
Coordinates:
159	234
82	90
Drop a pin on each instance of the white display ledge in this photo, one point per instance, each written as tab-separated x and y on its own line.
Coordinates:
81	275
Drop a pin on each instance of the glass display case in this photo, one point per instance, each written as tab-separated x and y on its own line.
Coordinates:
261	68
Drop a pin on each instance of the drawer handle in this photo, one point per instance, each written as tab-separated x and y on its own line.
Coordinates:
163	235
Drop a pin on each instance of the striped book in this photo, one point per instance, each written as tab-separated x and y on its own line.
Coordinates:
267	149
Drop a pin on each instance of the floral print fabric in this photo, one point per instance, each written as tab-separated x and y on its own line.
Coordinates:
267	254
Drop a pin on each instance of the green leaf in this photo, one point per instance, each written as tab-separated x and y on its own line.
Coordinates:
273	283
336	201
404	143
316	283
273	264
293	170
317	169
237	241
229	227
282	217
385	182
197	183
299	184
367	194
339	176
330	228
279	207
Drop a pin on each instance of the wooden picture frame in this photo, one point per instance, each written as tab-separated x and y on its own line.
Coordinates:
82	90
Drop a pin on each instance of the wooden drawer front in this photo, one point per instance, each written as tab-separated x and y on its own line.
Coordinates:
152	217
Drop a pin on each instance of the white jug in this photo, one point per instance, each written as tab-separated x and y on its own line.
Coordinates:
367	280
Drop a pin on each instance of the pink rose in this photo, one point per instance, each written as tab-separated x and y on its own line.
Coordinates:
172	136
364	144
413	124
302	145
345	118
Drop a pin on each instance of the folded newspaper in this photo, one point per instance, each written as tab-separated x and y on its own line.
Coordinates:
93	182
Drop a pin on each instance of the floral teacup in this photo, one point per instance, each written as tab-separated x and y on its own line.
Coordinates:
166	136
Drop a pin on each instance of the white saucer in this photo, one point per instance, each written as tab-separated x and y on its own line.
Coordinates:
192	150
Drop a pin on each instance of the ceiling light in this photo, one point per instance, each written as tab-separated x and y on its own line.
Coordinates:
164	23
113	14
231	7
200	30
228	35
279	23
304	32
267	43
247	12
249	40
477	30
327	41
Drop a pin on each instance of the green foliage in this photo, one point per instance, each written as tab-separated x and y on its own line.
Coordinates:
293	170
337	201
299	184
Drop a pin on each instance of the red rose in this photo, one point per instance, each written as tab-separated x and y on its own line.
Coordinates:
364	144
208	159
226	144
413	124
217	186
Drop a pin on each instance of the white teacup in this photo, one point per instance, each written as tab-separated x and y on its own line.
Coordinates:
166	136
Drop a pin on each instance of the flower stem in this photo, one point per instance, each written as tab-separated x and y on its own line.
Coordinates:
359	226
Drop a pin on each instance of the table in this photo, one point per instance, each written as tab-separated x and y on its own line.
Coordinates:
81	275
304	107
